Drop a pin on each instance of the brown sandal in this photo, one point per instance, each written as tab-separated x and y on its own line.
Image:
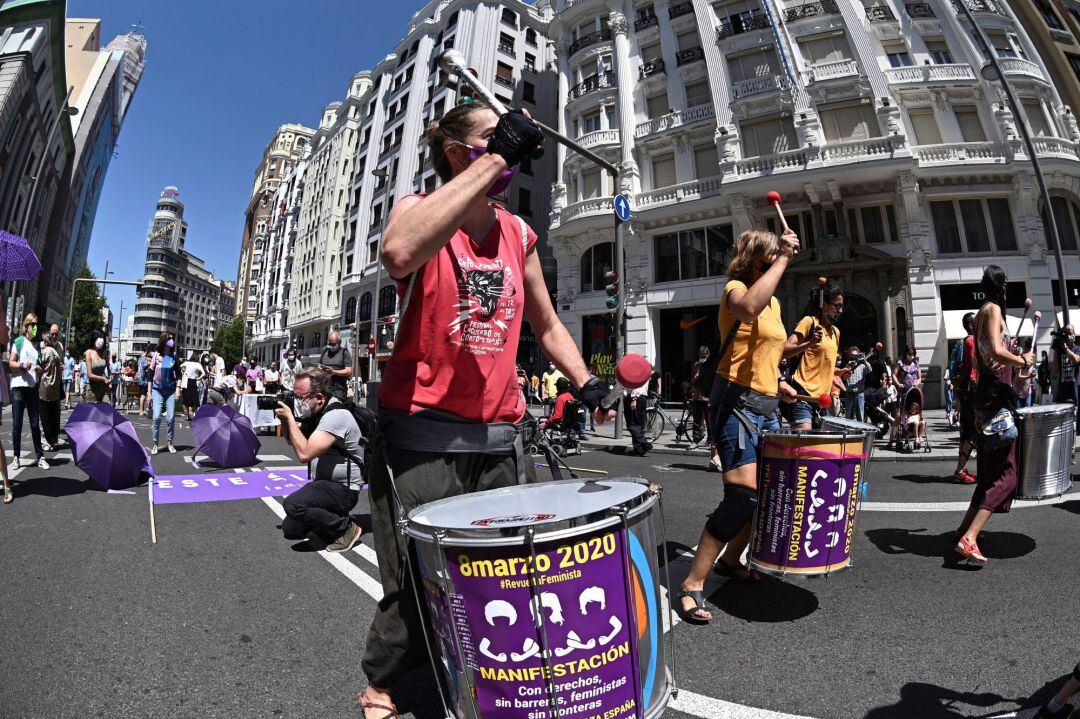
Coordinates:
9	496
391	712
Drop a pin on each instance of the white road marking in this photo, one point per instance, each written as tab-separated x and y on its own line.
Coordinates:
352	572
960	506
700	705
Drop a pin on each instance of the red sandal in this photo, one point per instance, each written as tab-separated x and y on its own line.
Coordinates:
391	712
969	549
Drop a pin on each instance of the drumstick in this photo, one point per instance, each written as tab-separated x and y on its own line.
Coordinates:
576	469
824	401
1035	320
773	198
1027	306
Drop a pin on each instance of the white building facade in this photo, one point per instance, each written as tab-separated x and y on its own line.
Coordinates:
901	168
505	43
315	287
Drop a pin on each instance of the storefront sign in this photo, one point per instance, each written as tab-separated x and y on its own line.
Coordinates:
970	296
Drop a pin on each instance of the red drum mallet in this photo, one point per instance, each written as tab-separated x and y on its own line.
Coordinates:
823	402
631	372
773	198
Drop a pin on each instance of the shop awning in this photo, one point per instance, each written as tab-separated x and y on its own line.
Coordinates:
954	323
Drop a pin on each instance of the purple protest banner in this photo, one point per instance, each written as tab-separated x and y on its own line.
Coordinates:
181	488
809	501
591	654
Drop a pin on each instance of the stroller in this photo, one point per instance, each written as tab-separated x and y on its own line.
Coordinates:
563	438
878	410
911	432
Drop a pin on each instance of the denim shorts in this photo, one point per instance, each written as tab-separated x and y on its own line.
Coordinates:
801	412
734	444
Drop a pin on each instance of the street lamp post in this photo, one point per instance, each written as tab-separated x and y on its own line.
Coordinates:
382	173
120	332
65	111
992	72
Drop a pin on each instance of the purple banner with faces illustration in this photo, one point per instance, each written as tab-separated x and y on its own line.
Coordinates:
591	650
180	488
806	517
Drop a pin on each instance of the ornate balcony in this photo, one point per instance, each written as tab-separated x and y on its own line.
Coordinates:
1055	147
597	82
1021	68
591	39
587	208
768	164
978	6
649	69
811	9
736	25
692	190
880	13
920	74
599	138
875	148
677	118
757	86
833	70
680	9
918	10
643	23
954	152
689	55
504	81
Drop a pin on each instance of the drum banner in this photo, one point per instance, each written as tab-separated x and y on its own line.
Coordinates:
809	499
592	640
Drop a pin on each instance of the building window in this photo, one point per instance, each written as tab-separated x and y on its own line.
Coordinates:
821	49
869	224
590	184
657	105
530	36
1049	16
528	92
898	55
697	93
1003	45
350	311
509	17
854	122
1036	118
530	62
504	75
768	137
387	301
1067	220
595	263
506	43
971	127
526	166
663	170
452	20
973	226
706	161
365	307
753	65
939	52
1074	60
692	254
592	122
524	202
925	126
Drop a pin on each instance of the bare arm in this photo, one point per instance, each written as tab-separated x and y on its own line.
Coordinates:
419	227
307	448
747	304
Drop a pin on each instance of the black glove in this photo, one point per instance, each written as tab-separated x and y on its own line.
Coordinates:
515	138
595	394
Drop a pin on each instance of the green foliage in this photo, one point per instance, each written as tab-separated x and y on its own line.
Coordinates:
85	312
229	341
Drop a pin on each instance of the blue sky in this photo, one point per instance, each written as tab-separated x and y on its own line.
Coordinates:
220	78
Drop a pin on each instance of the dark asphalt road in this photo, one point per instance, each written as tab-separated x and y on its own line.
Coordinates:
222	618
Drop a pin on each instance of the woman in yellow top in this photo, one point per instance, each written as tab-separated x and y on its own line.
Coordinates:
818	339
743	402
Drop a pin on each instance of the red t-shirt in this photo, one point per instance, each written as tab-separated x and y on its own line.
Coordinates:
456	349
967	366
560	408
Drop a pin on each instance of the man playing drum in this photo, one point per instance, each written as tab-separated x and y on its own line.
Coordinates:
450	407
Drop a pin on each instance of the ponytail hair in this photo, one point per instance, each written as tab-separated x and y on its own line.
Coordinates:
453	126
821	294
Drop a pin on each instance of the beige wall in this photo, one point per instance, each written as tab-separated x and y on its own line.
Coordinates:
82	40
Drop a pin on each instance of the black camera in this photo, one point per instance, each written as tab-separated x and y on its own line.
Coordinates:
270	401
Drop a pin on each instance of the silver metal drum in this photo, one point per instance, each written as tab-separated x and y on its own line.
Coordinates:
1047	434
545	599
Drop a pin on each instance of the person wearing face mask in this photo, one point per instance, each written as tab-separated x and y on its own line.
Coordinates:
326	437
165	372
24	365
745	394
336	361
290	367
69	379
855	374
97	367
816	342
548	382
451	417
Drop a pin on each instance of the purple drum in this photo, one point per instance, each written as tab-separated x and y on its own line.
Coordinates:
545	600
808	500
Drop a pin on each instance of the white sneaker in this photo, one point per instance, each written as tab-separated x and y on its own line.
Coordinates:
45	446
154	449
18	463
172	449
42	464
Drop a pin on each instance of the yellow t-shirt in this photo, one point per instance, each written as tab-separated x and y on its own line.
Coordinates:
753	360
818	363
549	379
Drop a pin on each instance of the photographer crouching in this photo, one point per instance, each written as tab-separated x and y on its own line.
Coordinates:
326	437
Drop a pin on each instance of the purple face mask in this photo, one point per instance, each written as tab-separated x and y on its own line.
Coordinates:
503	181
169	344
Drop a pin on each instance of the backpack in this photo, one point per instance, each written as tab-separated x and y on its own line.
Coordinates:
368	422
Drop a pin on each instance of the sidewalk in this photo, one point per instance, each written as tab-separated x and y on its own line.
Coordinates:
944	442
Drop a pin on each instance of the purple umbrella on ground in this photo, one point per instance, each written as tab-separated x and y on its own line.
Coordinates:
105	446
225	436
18	263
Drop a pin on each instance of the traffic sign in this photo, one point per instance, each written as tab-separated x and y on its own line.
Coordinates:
622	207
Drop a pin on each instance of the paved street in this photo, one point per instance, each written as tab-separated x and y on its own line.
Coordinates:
224	618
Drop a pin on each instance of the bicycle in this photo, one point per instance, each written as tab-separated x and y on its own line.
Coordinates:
686	429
